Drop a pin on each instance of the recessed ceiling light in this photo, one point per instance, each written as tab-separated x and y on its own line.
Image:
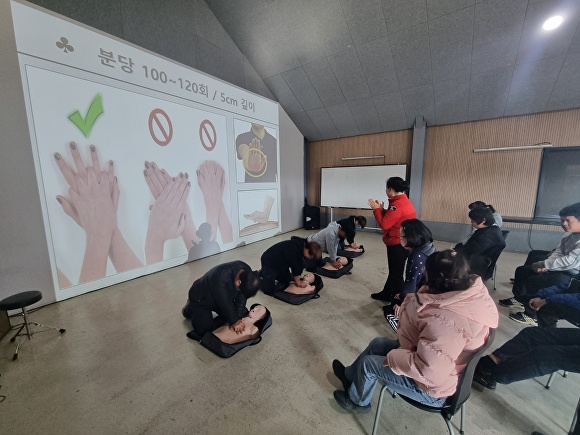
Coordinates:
553	22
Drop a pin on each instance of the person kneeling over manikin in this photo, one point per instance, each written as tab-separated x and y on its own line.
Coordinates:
309	289
252	327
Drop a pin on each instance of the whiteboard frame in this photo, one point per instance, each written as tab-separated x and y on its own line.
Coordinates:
325	203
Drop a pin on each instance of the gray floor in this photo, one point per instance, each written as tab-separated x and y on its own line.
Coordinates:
125	365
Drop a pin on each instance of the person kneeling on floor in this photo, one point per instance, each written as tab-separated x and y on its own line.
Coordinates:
224	290
441	327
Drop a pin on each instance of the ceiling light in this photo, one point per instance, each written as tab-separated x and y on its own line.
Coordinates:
553	22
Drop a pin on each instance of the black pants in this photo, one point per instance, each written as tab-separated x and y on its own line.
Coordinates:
396	259
535	256
550	313
527	282
538	351
202	319
270	276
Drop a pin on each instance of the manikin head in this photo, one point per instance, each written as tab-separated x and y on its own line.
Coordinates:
257	312
308	277
342	260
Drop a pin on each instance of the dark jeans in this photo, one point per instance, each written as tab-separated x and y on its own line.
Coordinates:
536	352
527	283
550	313
396	259
535	256
270	276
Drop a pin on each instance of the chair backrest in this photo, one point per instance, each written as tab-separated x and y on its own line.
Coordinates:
464	385
493	256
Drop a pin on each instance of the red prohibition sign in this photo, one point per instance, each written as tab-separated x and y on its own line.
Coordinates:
164	131
205	135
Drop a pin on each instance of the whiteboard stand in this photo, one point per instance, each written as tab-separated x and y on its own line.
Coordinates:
331	213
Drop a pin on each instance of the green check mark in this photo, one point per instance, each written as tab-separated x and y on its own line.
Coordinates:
95	110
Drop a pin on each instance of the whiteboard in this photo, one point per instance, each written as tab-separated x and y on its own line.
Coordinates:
352	186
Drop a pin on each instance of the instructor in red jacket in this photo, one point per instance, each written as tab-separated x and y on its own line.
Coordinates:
400	209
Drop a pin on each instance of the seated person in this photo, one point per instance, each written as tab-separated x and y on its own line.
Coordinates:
533	352
560	301
309	289
284	262
484	242
224	289
562	264
496	216
353	223
252	327
328	240
441	327
418	240
342	261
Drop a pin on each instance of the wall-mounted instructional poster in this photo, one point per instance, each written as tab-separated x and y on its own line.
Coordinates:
142	163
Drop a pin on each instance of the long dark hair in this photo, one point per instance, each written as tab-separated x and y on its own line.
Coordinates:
416	233
447	271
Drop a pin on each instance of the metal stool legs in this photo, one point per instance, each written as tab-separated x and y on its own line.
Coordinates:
29	331
551	378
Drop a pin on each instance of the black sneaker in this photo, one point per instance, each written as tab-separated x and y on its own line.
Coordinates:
186	310
338	369
393	322
523	318
484	379
344	401
381	296
510	302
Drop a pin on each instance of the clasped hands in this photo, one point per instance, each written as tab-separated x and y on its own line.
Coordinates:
374	204
238	327
537	303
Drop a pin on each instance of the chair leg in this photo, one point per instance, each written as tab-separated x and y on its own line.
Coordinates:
575	419
565	374
549	383
461	431
494	274
378	414
449	426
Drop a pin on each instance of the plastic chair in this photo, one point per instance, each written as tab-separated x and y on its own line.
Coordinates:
454	403
20	301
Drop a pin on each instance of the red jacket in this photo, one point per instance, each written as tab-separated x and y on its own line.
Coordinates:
400	209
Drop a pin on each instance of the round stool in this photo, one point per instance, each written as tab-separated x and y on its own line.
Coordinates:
20	301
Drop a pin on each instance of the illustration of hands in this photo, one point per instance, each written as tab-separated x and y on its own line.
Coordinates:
93	198
157	179
167	219
211	180
253	158
262	216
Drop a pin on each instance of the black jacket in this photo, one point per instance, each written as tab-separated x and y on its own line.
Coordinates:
483	242
217	291
347	224
285	255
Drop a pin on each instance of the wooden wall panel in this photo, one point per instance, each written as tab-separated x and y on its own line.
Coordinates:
395	146
455	176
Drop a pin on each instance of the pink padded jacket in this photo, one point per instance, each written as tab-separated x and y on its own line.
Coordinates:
439	332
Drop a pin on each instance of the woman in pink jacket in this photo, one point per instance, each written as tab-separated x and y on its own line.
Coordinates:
440	328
